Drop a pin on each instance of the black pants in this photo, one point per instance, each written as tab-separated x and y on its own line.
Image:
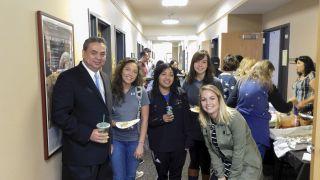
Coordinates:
199	157
169	162
95	172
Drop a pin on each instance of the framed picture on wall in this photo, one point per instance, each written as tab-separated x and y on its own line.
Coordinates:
56	54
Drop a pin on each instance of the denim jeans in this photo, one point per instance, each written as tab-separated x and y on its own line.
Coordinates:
124	164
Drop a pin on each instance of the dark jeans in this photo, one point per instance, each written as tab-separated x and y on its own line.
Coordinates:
94	172
262	149
169	162
199	157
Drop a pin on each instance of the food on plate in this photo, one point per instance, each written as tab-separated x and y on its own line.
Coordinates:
126	124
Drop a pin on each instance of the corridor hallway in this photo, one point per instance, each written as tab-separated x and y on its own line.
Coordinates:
29	141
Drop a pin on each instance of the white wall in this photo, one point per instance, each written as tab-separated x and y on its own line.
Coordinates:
303	19
163	51
124	19
174	30
115	13
216	21
21	153
192	47
215	30
220	26
219	11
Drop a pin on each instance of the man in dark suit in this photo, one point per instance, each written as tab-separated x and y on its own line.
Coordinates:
81	99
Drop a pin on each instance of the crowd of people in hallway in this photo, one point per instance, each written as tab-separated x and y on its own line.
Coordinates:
220	119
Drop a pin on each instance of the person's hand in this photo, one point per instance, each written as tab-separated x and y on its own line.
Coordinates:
300	105
222	178
98	137
167	117
138	153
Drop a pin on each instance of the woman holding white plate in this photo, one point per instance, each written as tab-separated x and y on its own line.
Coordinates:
130	103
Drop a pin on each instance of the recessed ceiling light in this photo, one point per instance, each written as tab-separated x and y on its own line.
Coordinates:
170	21
174	2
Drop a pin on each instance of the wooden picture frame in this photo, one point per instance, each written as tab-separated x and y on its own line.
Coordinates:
56	54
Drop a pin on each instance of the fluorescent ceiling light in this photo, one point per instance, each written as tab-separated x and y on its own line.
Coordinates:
174	2
170	21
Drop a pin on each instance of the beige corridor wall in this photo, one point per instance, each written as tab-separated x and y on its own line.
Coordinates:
244	23
303	19
21	136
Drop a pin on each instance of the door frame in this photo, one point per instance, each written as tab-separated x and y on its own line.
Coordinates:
315	160
215	46
98	20
284	45
123	34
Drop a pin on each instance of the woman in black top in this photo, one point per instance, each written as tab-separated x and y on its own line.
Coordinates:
169	127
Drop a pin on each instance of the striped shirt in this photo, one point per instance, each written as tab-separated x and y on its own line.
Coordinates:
303	90
225	161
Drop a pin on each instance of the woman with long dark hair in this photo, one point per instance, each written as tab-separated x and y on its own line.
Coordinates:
169	124
130	102
200	73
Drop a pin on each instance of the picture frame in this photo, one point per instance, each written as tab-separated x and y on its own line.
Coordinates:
56	54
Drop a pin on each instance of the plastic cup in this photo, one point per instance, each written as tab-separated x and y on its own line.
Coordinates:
169	110
103	127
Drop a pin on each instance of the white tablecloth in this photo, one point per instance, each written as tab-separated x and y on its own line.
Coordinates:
288	139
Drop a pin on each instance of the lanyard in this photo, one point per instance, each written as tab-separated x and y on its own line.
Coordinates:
167	98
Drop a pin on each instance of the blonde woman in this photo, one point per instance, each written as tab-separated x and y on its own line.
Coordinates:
251	97
236	156
244	67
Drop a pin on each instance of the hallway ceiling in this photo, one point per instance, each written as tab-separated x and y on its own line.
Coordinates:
151	12
259	6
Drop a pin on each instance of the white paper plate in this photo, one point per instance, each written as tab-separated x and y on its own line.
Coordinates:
126	124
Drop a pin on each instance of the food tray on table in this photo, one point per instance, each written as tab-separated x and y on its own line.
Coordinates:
291	132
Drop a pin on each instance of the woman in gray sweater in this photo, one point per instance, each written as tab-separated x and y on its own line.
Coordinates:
233	152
